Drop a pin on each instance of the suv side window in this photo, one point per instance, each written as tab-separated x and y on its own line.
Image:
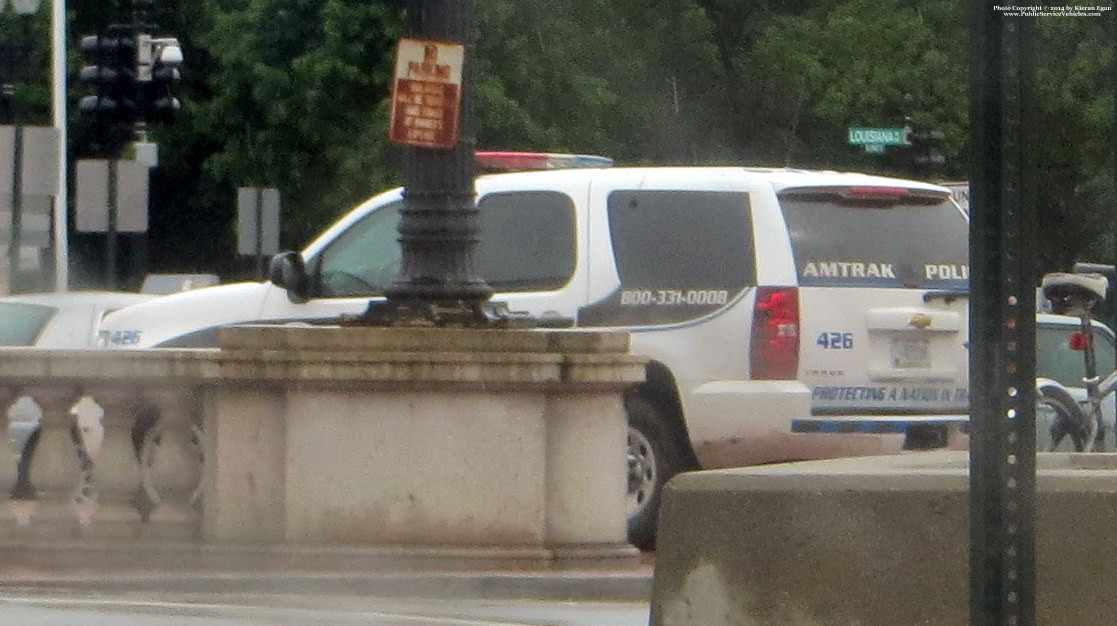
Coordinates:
364	259
526	243
680	255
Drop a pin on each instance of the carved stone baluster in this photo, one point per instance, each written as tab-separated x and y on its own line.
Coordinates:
171	464
60	468
8	456
116	469
8	460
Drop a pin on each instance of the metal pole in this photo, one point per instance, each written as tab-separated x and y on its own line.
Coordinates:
439	221
13	241
259	194
110	235
1002	322
1113	155
17	208
61	201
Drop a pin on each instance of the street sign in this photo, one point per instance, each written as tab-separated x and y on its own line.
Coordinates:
125	211
38	155
426	94
257	221
874	148
880	136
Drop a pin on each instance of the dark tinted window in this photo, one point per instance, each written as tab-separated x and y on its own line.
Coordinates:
1056	360
681	239
526	243
681	255
849	239
21	324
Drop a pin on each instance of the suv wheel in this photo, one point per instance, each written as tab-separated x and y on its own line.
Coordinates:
654	456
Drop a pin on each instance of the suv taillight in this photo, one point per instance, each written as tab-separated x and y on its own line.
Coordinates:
774	351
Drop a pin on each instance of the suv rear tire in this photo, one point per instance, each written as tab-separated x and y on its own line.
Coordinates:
654	456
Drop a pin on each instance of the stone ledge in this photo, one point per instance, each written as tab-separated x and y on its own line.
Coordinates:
373	357
335	339
528	572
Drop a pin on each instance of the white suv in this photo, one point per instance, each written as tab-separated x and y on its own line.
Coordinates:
787	314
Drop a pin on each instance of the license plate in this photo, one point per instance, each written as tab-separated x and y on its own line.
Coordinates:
911	353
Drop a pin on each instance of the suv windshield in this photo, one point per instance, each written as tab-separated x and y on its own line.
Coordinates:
21	324
843	239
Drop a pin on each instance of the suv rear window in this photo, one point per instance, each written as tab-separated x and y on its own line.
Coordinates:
876	237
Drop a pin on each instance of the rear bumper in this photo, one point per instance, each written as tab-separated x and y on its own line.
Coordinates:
875	424
915	432
830	437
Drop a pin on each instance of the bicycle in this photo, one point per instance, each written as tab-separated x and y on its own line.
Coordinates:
1076	294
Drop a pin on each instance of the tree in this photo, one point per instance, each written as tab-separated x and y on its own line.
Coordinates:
294	94
298	101
865	63
1075	152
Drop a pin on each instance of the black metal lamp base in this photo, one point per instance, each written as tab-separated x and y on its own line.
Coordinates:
452	313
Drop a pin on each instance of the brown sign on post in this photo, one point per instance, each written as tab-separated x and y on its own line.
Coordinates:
426	94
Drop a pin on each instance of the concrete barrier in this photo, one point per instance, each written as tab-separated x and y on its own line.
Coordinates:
872	541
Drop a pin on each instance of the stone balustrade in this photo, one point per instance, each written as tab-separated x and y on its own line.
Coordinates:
131	468
323	436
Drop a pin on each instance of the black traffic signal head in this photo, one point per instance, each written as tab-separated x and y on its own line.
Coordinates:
158	75
111	70
926	150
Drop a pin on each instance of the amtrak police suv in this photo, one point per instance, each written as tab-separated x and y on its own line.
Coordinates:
787	314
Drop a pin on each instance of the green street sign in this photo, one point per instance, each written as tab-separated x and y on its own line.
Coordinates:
874	148
881	136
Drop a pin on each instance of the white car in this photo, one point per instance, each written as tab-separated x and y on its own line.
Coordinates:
1058	359
56	320
787	314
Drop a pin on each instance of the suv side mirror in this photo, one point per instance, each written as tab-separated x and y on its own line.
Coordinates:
288	270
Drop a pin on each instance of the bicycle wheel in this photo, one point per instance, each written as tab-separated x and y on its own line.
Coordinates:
1070	419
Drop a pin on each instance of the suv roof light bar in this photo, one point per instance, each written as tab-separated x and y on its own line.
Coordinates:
873	194
496	161
883	193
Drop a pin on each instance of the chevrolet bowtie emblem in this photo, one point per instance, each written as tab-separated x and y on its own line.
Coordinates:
920	321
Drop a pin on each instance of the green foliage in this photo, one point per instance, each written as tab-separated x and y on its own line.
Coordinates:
1075	94
581	76
298	95
294	94
872	63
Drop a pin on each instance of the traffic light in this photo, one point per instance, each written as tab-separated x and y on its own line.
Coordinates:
111	70
134	74
926	151
158	74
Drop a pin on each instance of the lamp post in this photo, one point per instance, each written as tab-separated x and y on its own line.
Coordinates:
439	221
16	55
58	82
